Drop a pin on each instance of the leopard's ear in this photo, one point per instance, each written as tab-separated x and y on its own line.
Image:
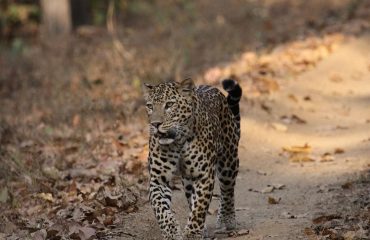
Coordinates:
146	87
186	86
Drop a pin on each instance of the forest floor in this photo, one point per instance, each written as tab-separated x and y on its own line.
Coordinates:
73	134
303	157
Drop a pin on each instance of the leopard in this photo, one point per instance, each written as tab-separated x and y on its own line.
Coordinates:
194	133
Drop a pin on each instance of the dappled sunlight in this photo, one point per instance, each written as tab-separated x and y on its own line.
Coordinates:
323	140
289	59
327	121
312	133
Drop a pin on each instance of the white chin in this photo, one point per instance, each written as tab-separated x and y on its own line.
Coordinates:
153	130
166	141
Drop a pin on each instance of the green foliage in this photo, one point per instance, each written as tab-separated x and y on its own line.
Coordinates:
15	16
139	7
20	13
99	11
17	46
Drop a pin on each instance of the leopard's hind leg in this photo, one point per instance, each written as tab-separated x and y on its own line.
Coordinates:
227	170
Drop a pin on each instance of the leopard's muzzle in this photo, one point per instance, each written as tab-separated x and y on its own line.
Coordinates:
166	138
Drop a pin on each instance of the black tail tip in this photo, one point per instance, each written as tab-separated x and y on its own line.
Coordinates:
229	84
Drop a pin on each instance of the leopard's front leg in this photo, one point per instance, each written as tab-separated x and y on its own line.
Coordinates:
163	163
200	201
160	198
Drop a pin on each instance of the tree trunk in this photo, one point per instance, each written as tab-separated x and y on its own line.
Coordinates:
56	17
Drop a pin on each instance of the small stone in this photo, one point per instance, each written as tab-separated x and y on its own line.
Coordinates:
268	189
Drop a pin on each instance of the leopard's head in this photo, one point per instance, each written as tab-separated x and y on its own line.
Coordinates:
169	106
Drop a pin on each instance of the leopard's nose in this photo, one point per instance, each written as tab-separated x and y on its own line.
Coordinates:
156	124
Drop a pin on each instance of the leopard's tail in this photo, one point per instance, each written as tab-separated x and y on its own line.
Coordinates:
233	98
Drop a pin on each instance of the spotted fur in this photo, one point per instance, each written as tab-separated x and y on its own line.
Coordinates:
194	132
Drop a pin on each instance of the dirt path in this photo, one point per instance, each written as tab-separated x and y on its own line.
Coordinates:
337	112
336	115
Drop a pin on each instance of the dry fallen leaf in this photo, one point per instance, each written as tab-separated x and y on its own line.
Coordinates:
272	200
243	232
298	149
293	98
279	127
325	218
54	231
108	220
260	172
310	234
327	157
73	230
299	158
27	144
271	188
266	84
39	235
253	190
302	215
350	235
347	185
76	120
299	153
117	197
338	150
278	186
231	234
340	127
292	119
51	172
8	227
46	196
287	215
266	108
86	233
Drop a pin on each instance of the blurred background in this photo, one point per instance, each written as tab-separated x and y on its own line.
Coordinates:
70	75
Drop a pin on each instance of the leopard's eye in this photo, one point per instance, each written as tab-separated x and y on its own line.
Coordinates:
168	105
149	106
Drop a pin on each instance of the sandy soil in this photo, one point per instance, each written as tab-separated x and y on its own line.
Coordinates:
337	113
